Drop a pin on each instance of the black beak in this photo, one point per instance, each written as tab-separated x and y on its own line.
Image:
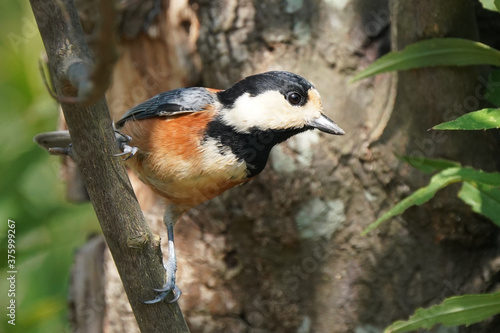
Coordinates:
325	124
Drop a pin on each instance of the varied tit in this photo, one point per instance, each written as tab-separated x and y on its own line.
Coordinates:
195	143
192	144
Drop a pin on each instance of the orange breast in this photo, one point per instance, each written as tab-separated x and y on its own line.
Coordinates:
172	160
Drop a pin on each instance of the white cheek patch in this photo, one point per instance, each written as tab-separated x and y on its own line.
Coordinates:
271	110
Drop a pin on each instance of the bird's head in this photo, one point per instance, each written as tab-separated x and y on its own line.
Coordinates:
275	101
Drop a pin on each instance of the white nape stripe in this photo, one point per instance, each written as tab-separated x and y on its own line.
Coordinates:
270	110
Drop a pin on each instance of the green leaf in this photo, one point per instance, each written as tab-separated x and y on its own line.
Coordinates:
434	52
428	165
491	5
477	120
483	199
437	182
454	311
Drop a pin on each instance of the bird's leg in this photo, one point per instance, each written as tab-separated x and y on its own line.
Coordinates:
125	149
170	266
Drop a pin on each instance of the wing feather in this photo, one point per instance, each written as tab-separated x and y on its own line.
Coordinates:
174	102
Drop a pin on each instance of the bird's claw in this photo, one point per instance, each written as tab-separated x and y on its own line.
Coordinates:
125	149
157	299
164	293
169	286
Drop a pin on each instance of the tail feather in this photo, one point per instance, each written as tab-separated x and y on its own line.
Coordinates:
56	139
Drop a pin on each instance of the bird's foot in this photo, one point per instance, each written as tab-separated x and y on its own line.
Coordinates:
163	295
168	287
125	149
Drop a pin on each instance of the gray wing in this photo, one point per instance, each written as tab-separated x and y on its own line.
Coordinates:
183	100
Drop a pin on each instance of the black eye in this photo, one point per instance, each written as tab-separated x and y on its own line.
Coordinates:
294	98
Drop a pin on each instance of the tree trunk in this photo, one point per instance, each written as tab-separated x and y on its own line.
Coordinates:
284	253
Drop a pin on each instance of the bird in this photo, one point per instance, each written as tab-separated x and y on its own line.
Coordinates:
189	145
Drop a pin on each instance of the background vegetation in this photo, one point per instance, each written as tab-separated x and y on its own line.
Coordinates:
48	228
480	190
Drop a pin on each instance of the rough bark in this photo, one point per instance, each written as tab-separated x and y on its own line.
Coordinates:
284	253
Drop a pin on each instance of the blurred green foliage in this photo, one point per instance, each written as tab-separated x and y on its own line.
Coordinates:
48	229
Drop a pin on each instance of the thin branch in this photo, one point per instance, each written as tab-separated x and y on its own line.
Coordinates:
105	49
135	250
91	79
